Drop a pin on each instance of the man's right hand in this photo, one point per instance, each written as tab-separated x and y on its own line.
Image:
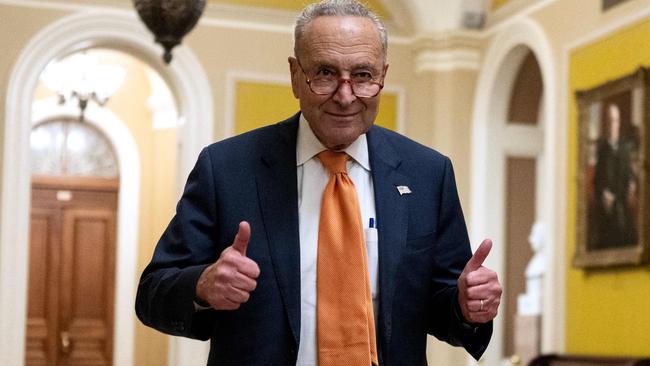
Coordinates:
608	199
227	283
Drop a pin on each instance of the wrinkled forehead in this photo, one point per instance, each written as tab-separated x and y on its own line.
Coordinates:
341	36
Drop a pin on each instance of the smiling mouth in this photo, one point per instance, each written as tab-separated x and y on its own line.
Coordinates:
341	115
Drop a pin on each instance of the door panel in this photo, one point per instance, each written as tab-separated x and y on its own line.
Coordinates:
43	303
72	271
88	235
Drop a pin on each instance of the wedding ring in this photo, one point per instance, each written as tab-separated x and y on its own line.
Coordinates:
481	308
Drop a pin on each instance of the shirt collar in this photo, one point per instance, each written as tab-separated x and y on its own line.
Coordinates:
308	146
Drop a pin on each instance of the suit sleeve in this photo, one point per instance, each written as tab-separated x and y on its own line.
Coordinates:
453	252
166	292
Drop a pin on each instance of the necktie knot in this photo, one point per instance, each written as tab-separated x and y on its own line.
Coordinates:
334	161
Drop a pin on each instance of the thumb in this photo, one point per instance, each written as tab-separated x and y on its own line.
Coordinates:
240	243
479	256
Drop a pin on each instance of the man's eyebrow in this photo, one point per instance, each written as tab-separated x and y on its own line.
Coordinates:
322	64
367	66
364	66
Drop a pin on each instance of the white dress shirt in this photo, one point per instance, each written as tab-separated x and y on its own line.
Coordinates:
312	179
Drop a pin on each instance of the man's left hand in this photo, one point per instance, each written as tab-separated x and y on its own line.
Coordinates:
479	291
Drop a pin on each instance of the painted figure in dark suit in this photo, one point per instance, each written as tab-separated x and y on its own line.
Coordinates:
614	185
234	264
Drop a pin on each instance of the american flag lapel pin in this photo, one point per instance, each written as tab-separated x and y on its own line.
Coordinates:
403	190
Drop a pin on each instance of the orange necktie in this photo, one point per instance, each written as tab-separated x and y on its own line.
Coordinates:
345	320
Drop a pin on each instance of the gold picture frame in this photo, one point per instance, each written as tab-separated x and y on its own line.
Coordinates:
613	154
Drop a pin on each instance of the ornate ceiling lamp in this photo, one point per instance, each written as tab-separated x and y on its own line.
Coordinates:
82	78
169	20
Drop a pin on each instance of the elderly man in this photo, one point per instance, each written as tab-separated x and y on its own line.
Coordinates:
322	240
614	187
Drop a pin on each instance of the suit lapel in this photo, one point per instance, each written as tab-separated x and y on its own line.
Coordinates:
278	196
392	219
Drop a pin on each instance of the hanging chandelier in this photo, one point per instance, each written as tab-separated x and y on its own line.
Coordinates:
80	77
169	20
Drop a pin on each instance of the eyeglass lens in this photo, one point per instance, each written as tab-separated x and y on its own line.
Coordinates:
360	88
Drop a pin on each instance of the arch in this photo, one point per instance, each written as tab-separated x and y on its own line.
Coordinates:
502	60
117	29
128	158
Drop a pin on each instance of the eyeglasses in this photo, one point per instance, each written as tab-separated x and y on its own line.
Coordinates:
326	82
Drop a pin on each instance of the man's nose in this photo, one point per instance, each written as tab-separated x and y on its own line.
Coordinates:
344	94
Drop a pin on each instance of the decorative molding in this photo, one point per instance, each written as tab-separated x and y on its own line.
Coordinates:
283	21
232	77
513	12
117	29
69	5
604	30
249	18
224	16
458	59
449	51
400	91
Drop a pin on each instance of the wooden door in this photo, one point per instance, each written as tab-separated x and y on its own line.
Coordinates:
72	271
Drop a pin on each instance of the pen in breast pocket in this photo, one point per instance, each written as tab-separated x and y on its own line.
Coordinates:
372	252
372	238
371	231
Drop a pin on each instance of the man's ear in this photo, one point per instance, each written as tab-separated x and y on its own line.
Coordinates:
385	70
294	70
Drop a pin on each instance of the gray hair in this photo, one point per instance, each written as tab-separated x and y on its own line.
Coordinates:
338	8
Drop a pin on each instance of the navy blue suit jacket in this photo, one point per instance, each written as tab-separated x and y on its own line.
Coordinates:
423	247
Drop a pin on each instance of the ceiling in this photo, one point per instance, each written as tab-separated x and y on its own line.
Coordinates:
403	17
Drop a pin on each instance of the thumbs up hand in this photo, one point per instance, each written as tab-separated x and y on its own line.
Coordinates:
479	291
227	283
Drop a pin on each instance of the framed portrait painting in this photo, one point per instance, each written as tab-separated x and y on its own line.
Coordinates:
613	200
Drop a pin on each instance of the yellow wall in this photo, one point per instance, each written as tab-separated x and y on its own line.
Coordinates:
387	116
498	3
606	311
258	104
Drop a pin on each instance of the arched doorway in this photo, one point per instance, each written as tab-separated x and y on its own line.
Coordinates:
128	160
118	30
75	184
142	106
523	152
513	175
